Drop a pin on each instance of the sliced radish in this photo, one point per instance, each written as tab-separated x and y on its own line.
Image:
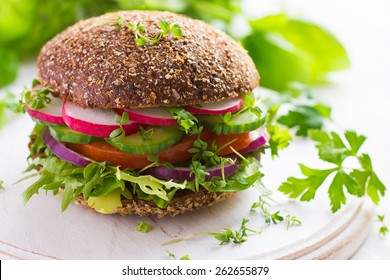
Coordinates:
257	143
151	116
222	107
185	173
63	152
51	113
95	122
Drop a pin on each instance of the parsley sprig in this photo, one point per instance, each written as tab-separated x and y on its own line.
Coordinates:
333	149
139	30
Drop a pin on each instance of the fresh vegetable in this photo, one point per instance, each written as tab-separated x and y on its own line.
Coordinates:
150	116
94	122
222	107
102	151
288	50
241	142
358	181
186	174
149	140
51	113
232	123
65	134
63	152
256	144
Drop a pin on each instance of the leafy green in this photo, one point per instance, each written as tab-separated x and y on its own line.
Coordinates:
383	230
184	257
225	236
275	218
144	227
280	138
7	103
306	117
332	148
34	98
286	50
238	237
8	66
139	30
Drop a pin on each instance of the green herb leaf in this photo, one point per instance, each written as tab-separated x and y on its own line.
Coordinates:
144	227
280	138
305	188
9	65
302	51
164	26
176	30
306	117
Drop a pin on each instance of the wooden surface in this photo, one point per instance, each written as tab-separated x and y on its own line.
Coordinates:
40	230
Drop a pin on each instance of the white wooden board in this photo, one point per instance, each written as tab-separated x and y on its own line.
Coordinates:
40	230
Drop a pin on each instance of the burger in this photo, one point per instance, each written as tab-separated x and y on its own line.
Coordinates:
144	112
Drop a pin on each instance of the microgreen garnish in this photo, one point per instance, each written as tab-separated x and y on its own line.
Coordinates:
383	230
146	134
144	227
264	205
186	121
139	30
33	98
225	236
333	149
238	237
119	134
184	257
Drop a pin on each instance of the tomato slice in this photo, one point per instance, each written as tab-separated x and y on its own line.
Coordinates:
102	151
237	141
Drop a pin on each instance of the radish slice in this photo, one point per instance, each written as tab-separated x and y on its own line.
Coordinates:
185	173
63	152
151	116
52	113
257	143
222	107
95	122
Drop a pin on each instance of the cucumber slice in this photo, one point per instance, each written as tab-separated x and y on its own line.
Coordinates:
65	134
149	140
240	122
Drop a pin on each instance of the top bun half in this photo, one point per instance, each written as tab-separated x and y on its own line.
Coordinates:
96	64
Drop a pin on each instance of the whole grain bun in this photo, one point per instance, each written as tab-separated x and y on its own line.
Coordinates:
178	205
96	64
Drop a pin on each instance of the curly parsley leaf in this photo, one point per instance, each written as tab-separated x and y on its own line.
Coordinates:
306	117
280	138
332	148
305	188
